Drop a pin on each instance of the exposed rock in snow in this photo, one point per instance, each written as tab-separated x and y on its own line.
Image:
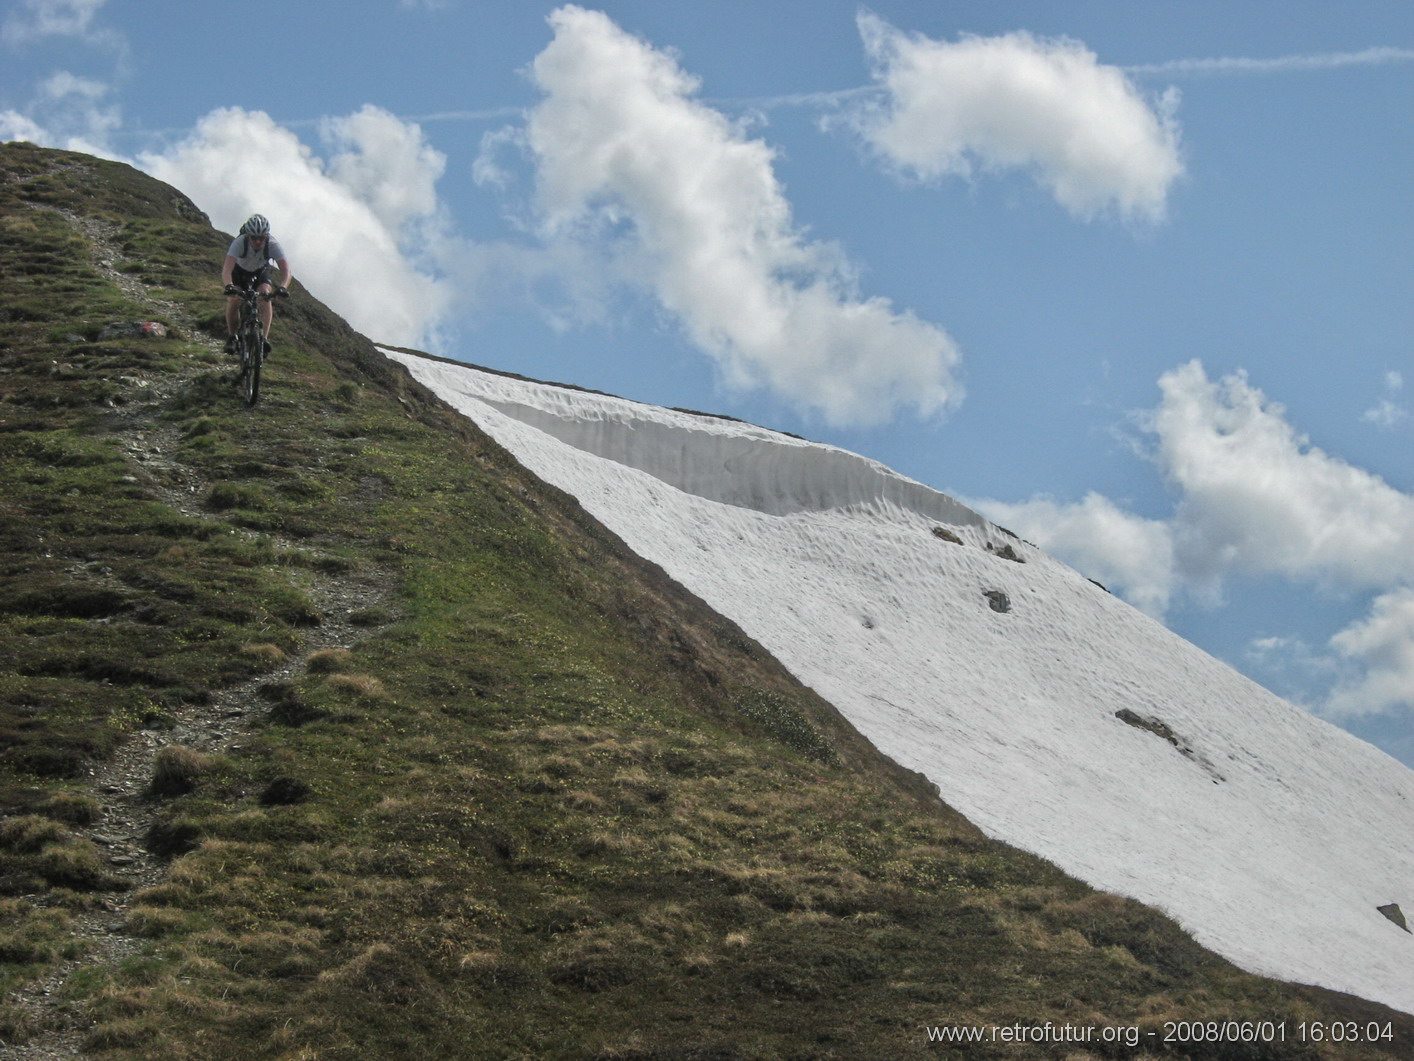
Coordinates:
1395	914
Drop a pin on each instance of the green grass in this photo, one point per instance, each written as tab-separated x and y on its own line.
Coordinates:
541	803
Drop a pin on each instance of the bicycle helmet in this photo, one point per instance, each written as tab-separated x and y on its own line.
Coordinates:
256	225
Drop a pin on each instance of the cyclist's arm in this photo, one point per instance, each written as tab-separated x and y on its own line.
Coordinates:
283	265
226	268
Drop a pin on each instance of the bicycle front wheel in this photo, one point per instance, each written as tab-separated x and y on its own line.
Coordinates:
252	356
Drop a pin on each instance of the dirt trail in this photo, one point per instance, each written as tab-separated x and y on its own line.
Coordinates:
121	783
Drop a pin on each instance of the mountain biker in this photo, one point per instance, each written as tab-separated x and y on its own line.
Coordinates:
249	260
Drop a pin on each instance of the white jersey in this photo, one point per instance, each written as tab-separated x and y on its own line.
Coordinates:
249	258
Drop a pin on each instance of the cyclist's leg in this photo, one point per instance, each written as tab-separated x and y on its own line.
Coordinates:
267	307
239	278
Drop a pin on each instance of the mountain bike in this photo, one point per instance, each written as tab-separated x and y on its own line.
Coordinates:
250	341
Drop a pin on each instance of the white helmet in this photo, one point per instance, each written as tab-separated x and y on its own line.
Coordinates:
256	225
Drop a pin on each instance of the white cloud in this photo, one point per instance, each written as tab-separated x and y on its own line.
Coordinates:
1258	498
386	164
81	108
63	86
17	126
69	112
683	204
1292	667
1385	414
1383	647
1126	552
1255	499
487	169
36	19
344	227
1388	412
1020	102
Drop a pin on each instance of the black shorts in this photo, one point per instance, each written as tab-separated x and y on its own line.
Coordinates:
241	278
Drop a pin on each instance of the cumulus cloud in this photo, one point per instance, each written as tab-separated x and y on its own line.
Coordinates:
1383	647
1258	498
1045	106
689	208
350	226
1254	498
386	164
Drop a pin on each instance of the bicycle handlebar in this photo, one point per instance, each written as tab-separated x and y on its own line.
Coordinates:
250	292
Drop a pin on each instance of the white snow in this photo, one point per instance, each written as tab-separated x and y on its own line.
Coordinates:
1270	835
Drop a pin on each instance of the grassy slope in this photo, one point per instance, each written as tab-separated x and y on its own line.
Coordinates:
539	803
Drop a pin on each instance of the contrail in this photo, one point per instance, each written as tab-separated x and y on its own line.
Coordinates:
833	98
484	115
1282	64
1232	65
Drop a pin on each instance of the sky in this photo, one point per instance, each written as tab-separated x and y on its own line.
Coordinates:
1132	280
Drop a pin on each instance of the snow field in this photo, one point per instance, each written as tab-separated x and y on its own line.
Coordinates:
1269	834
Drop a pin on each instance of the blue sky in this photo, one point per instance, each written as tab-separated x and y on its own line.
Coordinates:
1133	279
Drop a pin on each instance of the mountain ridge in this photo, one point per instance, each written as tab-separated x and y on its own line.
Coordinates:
491	785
